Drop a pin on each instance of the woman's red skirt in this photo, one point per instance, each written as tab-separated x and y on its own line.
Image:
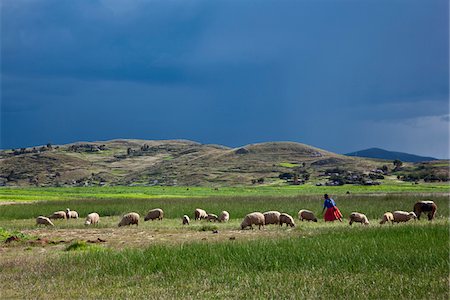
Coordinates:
332	214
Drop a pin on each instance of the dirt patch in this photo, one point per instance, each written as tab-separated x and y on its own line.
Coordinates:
136	237
13	202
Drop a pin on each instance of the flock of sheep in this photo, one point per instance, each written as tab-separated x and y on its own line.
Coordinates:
255	218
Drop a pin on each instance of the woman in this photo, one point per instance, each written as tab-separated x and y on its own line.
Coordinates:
332	212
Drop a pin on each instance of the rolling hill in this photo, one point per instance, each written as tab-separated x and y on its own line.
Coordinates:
170	162
390	155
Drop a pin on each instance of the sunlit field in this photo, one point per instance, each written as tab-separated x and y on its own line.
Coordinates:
124	192
164	259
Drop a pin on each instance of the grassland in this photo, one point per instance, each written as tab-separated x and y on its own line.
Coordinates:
400	262
11	194
163	259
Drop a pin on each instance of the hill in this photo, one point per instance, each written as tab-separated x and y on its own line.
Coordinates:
178	162
390	155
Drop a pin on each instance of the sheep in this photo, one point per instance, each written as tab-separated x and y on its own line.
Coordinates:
359	218
255	218
403	216
44	221
425	206
272	217
212	217
387	217
224	216
58	215
307	215
200	214
286	219
92	218
131	218
154	214
71	214
186	220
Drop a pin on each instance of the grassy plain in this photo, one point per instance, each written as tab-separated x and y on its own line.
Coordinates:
165	260
141	192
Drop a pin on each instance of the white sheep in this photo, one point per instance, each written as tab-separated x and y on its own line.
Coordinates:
358	218
286	219
131	218
255	218
92	218
71	214
272	217
387	217
200	214
154	214
307	215
186	220
44	221
224	216
58	215
403	216
212	217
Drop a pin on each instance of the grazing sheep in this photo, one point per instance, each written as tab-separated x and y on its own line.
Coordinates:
425	206
286	219
255	218
212	217
403	216
58	215
272	217
307	215
387	217
224	216
71	214
44	221
154	214
200	214
186	220
358	218
92	218
130	219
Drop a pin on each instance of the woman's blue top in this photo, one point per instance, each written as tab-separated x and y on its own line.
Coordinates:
329	203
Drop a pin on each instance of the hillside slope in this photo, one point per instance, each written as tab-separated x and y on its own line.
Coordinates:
171	162
390	155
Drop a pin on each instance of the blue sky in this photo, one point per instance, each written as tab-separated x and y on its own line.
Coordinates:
340	75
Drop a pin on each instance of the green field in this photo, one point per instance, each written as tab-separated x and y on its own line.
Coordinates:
402	262
121	192
164	259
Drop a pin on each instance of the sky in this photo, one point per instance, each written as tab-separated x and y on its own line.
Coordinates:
339	75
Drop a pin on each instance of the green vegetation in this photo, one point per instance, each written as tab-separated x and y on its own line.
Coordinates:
399	262
139	192
174	208
5	234
208	227
82	246
288	165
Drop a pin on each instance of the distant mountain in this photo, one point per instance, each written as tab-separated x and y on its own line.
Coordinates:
390	155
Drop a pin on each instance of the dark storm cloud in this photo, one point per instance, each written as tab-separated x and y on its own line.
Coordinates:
231	72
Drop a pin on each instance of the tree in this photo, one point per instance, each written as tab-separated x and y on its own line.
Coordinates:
295	179
397	164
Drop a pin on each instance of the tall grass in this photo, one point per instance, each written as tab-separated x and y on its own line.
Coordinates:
143	192
402	262
238	207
